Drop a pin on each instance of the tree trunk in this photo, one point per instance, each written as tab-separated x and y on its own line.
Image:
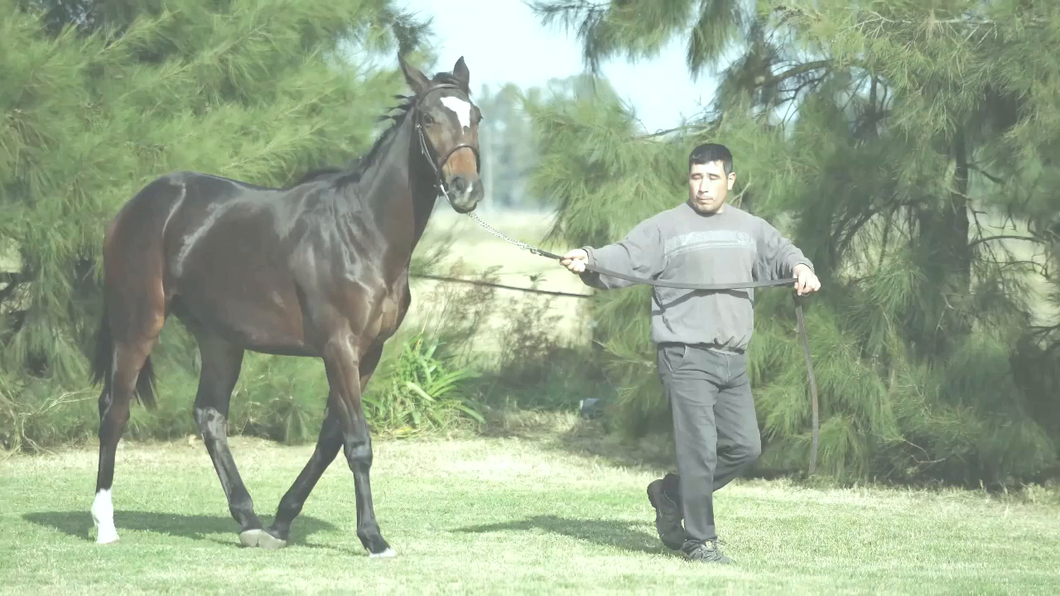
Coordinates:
944	236
955	222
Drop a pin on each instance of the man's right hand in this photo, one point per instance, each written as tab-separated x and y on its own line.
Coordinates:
575	260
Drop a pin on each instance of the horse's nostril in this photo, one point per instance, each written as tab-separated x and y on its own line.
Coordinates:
459	184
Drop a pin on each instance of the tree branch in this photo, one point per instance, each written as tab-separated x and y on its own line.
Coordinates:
966	20
989	176
662	133
1003	237
803	68
1032	265
794	93
1045	330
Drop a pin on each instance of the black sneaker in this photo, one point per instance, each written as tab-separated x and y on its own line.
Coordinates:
667	516
704	552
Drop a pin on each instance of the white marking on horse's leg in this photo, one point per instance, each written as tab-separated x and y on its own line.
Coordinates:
261	539
461	108
383	555
103	517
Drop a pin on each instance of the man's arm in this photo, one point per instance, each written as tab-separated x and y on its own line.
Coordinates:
779	258
639	254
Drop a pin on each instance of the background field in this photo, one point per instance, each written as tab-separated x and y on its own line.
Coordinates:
480	251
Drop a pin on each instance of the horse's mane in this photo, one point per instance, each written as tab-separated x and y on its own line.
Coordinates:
356	167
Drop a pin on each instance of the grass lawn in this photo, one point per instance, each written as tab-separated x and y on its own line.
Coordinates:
500	515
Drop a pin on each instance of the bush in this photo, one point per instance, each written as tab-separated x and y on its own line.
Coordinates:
419	392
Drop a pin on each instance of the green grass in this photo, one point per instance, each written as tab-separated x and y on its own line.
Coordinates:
501	515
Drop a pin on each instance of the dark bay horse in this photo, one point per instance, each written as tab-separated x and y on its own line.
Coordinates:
317	269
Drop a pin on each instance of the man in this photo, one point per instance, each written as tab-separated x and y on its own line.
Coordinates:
701	336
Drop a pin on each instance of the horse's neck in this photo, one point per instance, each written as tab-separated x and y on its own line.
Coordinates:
402	192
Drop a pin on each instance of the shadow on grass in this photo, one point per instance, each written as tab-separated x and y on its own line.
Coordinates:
198	527
570	434
623	534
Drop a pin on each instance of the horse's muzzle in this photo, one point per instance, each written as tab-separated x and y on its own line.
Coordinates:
465	192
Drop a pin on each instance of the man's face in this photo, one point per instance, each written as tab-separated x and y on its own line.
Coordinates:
708	187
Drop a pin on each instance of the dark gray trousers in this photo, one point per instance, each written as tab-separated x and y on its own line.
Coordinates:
715	428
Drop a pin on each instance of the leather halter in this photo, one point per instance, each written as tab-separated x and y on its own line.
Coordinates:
426	149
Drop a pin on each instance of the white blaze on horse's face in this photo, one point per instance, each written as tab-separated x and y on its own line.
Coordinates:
461	108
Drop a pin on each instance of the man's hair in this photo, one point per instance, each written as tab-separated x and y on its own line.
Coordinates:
709	152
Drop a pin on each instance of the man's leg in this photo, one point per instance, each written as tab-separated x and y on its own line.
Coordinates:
690	377
716	436
691	382
739	442
664	493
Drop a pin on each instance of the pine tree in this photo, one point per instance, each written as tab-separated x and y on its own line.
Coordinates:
908	149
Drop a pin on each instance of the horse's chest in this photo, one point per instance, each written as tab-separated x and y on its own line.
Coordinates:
389	310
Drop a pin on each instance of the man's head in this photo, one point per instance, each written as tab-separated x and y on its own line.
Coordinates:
710	178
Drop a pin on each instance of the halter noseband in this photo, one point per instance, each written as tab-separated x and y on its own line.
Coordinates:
425	148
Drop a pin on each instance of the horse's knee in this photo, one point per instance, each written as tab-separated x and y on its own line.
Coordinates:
105	399
211	423
112	419
359	454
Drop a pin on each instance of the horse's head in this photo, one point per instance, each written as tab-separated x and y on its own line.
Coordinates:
447	130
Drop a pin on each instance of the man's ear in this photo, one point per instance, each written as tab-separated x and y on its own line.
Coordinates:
732	179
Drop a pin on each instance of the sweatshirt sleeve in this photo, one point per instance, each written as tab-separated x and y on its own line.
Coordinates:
639	254
777	256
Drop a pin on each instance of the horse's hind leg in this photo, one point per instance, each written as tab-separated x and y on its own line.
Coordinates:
221	363
127	360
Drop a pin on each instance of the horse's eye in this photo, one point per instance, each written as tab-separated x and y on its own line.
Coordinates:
428	119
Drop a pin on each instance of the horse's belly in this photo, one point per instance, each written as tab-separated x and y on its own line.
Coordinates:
269	322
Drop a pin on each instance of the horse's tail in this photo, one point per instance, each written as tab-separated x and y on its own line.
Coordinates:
103	362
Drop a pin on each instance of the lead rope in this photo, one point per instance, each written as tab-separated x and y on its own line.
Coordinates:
537	251
815	419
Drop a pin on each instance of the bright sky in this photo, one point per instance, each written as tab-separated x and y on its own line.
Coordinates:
502	41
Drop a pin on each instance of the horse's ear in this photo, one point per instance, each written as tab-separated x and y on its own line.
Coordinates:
417	81
461	73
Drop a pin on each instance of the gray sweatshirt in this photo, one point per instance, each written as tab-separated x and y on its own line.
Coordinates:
682	245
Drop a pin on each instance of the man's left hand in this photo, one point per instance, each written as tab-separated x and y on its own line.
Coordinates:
806	280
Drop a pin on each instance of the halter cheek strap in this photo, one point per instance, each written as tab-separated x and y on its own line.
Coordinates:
425	147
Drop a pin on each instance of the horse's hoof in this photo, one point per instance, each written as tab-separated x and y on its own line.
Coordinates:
389	552
107	535
261	539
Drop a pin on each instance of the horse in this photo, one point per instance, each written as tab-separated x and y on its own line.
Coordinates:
317	269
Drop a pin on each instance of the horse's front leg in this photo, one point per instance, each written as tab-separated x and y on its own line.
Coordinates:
342	366
328	445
